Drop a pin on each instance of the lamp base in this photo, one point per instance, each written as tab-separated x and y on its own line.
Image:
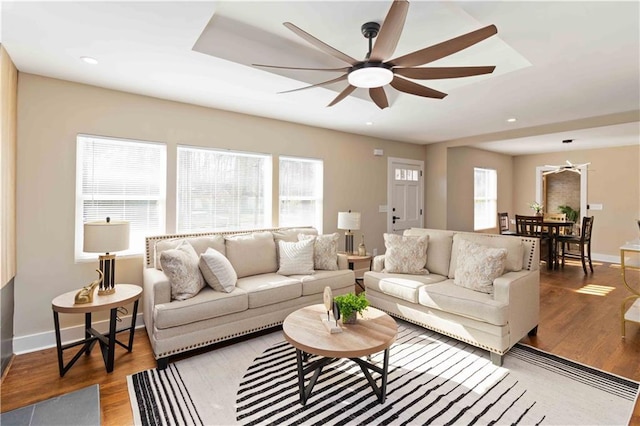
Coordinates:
108	268
348	242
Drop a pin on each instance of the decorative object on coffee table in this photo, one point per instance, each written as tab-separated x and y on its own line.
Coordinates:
329	304
106	237
350	306
349	221
85	295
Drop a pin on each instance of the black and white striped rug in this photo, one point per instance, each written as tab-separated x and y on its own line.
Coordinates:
432	379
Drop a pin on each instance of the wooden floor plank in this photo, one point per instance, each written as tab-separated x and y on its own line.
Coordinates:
581	327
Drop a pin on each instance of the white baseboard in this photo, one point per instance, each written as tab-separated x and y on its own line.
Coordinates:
605	258
47	339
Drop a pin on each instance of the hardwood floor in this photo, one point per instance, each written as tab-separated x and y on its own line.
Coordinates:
578	322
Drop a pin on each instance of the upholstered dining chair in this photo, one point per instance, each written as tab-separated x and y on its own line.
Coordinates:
503	222
583	241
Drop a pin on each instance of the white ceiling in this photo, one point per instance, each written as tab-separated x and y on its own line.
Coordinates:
557	62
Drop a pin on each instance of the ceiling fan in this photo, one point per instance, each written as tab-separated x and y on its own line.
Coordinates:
376	70
570	167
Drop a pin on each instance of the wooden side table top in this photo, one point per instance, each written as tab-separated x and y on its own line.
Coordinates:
373	332
356	257
125	293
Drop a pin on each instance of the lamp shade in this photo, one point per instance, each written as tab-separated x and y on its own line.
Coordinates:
106	236
349	220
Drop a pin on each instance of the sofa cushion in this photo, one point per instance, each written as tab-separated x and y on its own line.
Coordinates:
199	244
296	257
252	254
315	284
514	246
181	267
438	249
325	250
399	285
217	271
448	297
207	304
405	255
267	289
478	266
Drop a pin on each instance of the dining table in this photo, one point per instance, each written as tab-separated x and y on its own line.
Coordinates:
552	230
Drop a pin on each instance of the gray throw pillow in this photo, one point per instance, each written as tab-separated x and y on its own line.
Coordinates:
217	271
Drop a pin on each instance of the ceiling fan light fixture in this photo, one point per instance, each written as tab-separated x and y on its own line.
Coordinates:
368	77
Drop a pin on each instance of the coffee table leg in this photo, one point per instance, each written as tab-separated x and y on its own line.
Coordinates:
303	398
380	391
383	387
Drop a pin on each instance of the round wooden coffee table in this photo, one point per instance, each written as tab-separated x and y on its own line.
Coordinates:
374	331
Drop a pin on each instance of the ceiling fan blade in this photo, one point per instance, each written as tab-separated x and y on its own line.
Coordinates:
390	31
446	48
442	72
324	83
379	97
346	92
412	88
320	44
344	69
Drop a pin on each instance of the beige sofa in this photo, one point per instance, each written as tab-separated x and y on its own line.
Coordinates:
494	322
261	299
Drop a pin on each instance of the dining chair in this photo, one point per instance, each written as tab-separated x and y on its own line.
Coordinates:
531	226
584	242
560	217
503	221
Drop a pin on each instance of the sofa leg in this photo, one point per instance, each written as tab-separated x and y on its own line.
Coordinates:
496	359
533	331
163	363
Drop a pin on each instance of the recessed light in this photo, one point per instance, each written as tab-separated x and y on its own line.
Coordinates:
369	123
511	120
89	60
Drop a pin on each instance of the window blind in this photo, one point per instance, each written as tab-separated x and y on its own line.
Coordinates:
222	190
301	192
123	180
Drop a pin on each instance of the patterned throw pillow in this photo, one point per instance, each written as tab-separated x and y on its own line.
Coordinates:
405	255
325	251
181	267
217	271
296	258
478	266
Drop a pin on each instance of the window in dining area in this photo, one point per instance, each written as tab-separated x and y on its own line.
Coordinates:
485	198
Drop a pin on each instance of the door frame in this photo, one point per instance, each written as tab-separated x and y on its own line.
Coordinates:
583	187
391	178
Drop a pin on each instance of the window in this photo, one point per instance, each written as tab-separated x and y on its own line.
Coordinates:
485	188
124	180
301	193
222	190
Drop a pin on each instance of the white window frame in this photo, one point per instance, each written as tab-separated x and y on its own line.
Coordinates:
136	244
489	201
317	197
267	187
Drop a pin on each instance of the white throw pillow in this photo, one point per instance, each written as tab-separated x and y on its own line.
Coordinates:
217	271
325	251
478	266
296	258
405	255
181	266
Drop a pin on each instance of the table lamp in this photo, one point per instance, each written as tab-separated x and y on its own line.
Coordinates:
106	237
350	221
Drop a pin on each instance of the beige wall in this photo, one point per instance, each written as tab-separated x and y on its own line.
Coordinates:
8	102
52	112
613	180
460	184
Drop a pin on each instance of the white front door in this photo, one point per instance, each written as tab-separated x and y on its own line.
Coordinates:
404	194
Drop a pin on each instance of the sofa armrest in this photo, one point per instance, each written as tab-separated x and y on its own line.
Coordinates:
157	290
521	291
343	261
378	263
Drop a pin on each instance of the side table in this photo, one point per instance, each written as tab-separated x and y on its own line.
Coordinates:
631	313
125	293
359	265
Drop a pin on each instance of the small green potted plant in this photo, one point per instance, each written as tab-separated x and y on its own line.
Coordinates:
350	306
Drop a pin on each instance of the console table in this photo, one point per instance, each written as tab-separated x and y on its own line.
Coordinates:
65	303
632	312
